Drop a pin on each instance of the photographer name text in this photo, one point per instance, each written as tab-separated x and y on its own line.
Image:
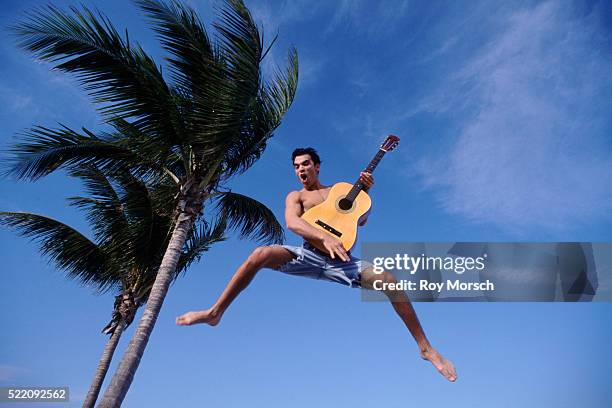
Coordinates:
423	284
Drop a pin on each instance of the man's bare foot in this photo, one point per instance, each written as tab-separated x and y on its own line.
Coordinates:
445	367
203	316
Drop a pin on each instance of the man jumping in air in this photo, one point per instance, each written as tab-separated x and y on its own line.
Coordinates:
337	265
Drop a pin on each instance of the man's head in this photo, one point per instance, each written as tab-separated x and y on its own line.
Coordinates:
306	163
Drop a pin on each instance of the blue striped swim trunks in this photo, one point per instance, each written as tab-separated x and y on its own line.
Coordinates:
311	263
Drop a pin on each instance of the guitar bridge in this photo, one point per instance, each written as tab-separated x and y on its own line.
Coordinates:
329	228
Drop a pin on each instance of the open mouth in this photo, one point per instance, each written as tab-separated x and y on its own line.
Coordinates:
303	176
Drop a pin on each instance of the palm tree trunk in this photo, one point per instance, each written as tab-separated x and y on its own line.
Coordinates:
123	377
103	365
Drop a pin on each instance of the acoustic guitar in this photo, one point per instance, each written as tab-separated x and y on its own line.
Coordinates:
346	205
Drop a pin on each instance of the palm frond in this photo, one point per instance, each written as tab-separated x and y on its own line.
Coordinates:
252	219
105	211
138	210
200	83
264	117
129	222
242	48
44	150
221	103
183	35
67	248
154	153
120	76
281	91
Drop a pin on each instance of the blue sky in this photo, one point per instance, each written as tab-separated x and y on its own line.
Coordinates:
503	110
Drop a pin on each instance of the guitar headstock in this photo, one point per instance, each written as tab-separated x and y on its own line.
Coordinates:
390	143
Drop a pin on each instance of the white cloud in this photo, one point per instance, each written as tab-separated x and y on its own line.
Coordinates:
19	102
16	101
533	148
370	18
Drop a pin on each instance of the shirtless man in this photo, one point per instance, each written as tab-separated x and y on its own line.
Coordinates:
336	266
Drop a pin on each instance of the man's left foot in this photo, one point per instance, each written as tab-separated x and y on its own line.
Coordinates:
445	367
204	316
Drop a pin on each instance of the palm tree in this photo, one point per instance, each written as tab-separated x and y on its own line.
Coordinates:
207	123
131	222
132	232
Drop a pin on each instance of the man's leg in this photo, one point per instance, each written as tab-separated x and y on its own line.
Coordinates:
262	257
405	311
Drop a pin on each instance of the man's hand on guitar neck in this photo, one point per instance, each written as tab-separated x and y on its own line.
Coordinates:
334	247
367	180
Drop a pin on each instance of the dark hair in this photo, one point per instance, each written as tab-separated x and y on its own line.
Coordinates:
306	150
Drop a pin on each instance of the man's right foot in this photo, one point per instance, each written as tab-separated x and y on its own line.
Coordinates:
203	316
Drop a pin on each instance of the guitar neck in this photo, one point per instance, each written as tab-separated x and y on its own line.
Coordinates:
375	160
357	187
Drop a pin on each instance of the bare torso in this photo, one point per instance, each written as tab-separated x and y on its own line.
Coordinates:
311	198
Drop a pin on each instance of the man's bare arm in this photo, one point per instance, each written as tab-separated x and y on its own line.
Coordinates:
293	211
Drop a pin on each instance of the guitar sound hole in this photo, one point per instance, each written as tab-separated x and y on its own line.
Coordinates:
345	204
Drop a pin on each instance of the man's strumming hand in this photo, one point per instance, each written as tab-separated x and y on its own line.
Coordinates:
335	248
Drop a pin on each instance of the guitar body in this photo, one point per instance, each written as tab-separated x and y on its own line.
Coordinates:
332	219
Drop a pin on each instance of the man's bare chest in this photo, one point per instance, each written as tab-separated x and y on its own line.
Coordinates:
313	198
